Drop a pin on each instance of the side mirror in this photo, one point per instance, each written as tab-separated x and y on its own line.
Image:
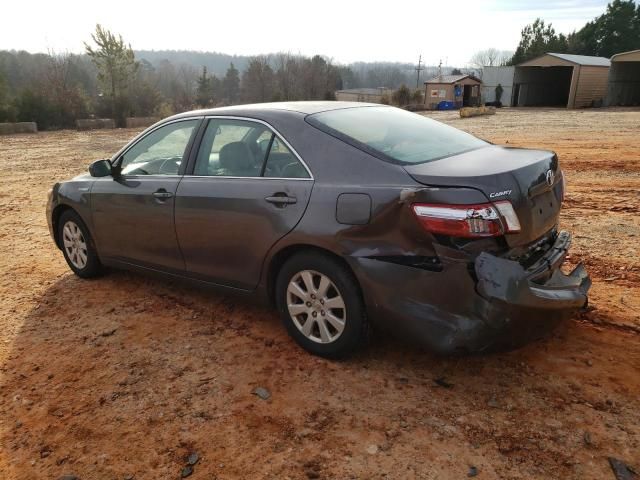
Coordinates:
100	168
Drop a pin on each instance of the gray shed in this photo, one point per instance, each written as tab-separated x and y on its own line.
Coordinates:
370	95
494	76
561	80
624	79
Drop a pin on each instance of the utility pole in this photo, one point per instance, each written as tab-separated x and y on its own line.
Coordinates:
419	68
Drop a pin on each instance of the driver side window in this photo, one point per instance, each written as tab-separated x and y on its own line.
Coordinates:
160	152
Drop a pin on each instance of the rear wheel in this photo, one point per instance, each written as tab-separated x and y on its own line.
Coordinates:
77	246
321	306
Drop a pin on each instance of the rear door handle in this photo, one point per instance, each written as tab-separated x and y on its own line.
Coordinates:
162	194
281	200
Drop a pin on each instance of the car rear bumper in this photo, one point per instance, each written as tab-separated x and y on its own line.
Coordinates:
473	306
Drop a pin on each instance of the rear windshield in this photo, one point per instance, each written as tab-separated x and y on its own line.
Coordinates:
395	135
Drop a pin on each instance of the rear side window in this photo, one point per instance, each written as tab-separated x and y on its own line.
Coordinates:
395	135
230	148
242	148
282	163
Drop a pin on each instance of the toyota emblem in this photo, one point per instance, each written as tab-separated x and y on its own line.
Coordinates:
550	177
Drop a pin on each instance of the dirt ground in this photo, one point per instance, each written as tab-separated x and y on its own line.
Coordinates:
124	377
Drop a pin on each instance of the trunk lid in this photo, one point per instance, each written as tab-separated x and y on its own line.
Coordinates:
502	173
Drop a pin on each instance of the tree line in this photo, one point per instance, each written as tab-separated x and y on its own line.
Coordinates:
111	81
616	30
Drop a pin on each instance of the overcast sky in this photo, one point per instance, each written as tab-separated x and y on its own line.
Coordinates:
344	30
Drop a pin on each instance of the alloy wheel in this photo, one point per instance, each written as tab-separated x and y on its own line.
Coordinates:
74	244
316	306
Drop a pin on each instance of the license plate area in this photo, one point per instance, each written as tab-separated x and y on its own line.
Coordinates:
544	210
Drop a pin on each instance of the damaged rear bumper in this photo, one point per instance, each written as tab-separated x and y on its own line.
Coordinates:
542	286
474	305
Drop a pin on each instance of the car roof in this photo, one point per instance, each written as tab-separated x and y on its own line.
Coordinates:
259	109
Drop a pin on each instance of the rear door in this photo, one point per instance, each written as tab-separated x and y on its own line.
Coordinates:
133	212
248	189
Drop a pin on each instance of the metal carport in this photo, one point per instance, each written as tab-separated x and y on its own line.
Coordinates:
561	80
624	79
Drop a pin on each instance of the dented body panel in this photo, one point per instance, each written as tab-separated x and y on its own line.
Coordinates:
473	305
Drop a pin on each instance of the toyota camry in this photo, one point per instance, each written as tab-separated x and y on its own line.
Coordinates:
344	216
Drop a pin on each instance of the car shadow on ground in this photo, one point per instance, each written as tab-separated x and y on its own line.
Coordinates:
128	375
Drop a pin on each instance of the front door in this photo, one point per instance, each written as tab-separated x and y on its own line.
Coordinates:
133	213
466	95
247	191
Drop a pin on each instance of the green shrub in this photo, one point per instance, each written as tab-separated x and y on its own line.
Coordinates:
402	96
34	107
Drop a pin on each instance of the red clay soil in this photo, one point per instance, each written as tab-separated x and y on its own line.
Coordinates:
124	376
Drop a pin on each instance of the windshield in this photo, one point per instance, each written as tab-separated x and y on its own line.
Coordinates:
394	134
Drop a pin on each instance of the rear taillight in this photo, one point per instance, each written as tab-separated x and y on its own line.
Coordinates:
468	221
563	195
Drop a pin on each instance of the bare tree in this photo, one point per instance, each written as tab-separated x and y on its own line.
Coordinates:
62	90
287	71
57	75
186	91
318	78
491	57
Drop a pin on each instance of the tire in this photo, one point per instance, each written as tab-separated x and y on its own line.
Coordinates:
332	285
77	246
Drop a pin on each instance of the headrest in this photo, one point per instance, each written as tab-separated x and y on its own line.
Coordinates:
236	156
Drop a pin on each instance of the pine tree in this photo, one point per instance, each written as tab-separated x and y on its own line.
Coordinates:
204	94
231	85
116	64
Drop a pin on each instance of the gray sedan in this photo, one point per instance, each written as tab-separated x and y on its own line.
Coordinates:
343	215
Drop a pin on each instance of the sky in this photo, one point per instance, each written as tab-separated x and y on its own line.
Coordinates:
343	30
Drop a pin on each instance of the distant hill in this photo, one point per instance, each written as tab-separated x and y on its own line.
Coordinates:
363	74
216	63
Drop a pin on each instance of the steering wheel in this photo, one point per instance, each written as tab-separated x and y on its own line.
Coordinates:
172	164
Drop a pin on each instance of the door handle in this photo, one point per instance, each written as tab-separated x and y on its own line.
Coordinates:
281	199
162	194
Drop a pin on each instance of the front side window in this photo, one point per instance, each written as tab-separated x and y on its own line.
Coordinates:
241	148
161	151
395	135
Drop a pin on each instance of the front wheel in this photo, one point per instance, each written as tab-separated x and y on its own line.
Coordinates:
77	246
321	305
